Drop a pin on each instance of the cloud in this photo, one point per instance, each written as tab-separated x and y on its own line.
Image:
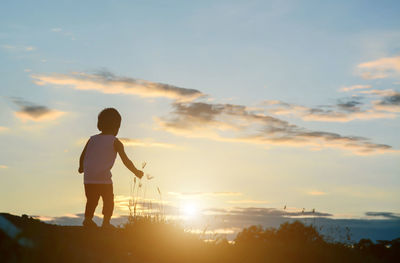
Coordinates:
32	112
387	215
380	68
388	99
390	102
2	166
18	48
236	123
145	143
2	128
354	87
343	111
109	83
378	92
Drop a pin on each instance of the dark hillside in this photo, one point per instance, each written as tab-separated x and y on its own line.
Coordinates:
147	241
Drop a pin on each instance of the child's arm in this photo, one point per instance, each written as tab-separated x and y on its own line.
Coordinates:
119	147
82	158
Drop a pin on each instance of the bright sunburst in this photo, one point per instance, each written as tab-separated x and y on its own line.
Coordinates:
190	210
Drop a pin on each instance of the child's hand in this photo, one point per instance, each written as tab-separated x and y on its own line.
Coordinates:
80	170
139	174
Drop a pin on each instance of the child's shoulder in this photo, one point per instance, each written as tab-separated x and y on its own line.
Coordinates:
101	135
101	138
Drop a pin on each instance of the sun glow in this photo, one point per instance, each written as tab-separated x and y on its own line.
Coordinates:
189	210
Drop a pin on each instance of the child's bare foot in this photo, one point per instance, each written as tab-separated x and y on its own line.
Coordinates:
89	223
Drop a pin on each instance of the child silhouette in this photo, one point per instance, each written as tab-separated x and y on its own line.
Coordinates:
96	161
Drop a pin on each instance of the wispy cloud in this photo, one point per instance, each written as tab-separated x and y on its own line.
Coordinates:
389	102
236	123
380	68
387	215
145	143
379	92
2	166
32	112
344	110
18	48
3	128
354	87
109	83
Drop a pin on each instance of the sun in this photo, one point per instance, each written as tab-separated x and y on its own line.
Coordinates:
189	210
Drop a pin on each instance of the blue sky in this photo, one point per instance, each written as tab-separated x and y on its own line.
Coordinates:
268	103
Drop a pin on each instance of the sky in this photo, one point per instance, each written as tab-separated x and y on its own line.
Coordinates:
271	107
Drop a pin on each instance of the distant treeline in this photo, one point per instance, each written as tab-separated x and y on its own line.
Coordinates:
149	240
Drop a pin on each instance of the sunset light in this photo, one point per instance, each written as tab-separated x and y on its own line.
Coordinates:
268	122
189	210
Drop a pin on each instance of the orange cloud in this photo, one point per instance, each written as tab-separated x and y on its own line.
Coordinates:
343	111
354	87
235	123
33	112
389	100
369	114
380	68
108	83
39	117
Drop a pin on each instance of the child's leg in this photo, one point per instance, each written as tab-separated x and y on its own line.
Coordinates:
107	195
92	198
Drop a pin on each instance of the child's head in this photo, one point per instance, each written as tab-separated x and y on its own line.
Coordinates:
109	121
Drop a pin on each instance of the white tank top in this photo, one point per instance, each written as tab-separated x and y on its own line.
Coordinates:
99	159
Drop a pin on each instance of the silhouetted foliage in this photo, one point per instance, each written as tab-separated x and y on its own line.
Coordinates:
149	240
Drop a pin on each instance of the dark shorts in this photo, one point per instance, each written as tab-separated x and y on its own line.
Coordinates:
93	193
